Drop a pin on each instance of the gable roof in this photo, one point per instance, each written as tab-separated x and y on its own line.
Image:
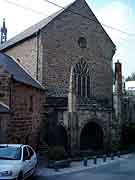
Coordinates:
32	30
18	72
3	108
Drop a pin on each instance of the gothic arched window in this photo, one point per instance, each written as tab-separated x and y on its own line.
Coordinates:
82	79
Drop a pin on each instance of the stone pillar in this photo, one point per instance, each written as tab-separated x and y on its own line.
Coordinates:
117	119
73	130
72	115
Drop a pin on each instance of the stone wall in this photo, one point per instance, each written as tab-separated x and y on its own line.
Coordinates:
4	127
23	123
58	51
101	118
56	48
26	53
26	114
5	82
61	50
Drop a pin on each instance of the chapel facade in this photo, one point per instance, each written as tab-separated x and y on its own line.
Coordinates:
71	55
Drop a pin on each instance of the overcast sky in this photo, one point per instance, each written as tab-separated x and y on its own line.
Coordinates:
116	13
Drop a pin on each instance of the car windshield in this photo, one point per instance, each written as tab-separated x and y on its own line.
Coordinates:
10	153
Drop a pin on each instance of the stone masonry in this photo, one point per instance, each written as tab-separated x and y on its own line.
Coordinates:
23	122
50	53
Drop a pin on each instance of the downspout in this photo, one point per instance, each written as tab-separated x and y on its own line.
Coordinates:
11	112
37	68
10	92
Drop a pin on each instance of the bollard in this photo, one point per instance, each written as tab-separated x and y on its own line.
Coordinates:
112	156
85	161
95	160
104	158
118	154
56	167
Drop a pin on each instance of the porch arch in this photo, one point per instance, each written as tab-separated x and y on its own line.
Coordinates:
91	137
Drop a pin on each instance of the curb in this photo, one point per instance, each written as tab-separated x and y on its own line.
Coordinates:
80	169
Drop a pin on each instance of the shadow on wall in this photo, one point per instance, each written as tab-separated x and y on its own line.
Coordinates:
3	136
57	137
91	137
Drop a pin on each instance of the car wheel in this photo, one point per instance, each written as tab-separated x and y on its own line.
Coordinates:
20	176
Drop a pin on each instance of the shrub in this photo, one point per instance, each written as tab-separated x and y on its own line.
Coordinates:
56	153
115	147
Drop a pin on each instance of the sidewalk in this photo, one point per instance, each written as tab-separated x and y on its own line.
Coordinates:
78	166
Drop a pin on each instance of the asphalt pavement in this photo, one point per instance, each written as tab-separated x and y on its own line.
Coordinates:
120	170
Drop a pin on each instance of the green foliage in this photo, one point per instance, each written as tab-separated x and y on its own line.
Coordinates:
131	77
115	147
128	135
56	153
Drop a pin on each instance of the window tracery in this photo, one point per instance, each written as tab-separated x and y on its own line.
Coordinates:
82	79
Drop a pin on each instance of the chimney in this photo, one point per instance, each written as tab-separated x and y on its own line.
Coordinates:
118	90
118	77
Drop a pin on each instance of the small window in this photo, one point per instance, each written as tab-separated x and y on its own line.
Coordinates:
31	153
82	42
88	86
25	154
79	85
83	86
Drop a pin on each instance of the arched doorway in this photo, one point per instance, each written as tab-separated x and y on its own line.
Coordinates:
91	137
61	136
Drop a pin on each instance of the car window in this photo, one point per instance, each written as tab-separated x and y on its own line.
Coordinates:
25	154
31	153
10	152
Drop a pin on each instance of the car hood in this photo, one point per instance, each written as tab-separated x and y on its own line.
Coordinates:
8	164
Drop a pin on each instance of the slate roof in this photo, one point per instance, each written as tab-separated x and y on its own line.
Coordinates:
57	102
56	92
32	30
3	108
35	28
18	72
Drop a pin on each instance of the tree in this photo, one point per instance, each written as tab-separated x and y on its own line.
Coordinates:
131	77
128	135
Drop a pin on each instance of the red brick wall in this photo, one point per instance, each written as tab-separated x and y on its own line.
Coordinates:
25	123
5	81
4	125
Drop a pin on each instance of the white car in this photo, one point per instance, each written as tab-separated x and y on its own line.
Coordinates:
17	161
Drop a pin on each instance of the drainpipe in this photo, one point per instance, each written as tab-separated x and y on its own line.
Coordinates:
10	110
10	91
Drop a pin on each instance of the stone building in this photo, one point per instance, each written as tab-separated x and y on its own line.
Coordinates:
124	105
128	102
71	55
4	118
20	103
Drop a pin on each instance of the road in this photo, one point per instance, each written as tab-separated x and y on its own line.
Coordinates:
123	170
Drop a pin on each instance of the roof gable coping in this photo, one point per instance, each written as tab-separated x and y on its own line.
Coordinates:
3	104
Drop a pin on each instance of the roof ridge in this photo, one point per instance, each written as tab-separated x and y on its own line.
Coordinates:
34	28
3	104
